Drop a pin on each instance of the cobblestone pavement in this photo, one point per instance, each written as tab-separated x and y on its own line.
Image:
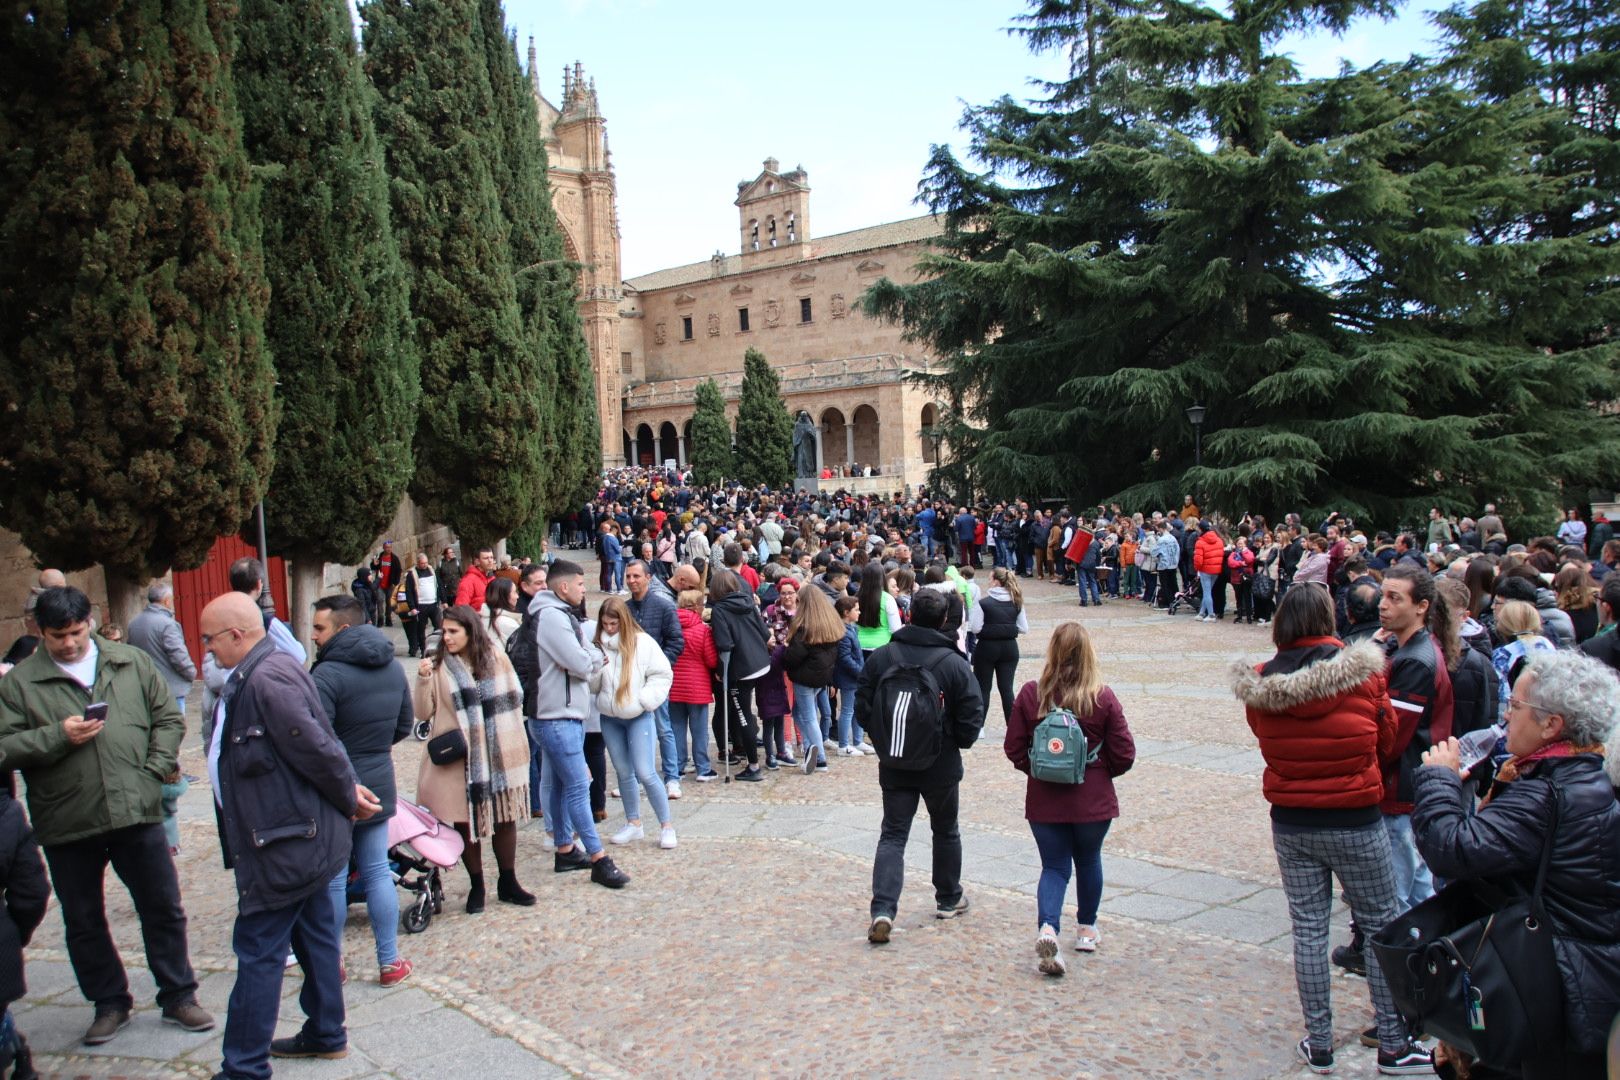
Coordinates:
742	953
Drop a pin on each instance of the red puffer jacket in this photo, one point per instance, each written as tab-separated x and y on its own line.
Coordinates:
1322	714
697	662
1209	553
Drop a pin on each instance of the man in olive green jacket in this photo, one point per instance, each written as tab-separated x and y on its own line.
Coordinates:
94	794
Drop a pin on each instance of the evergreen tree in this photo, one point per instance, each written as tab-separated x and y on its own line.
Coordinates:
480	444
764	428
339	320
133	368
710	452
1338	269
565	388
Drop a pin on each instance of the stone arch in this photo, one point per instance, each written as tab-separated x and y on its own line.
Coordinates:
629	450
930	448
865	425
645	450
833	443
669	443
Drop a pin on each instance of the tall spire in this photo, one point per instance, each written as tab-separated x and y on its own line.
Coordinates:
534	67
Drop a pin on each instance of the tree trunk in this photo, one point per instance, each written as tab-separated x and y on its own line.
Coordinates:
304	587
126	597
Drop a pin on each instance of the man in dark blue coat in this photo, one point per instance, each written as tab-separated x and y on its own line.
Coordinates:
285	795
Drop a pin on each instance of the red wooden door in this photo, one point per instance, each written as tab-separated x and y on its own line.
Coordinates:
194	588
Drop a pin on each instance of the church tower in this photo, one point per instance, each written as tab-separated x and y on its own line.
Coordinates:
583	194
773	212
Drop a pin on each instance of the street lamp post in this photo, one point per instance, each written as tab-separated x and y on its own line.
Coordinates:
1195	416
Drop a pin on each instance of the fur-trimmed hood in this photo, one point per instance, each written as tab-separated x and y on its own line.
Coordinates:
1323	680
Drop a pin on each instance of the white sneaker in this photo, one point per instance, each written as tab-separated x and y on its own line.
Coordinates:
1087	938
852	751
1046	951
673	789
548	842
629	834
666	837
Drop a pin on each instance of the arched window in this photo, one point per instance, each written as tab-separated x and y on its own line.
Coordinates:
792	229
771	221
753	235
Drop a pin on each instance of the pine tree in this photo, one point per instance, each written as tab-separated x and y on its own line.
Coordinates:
339	321
710	452
1337	269
565	388
133	368
764	428
479	440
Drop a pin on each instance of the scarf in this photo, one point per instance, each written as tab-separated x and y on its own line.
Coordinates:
1513	768
490	714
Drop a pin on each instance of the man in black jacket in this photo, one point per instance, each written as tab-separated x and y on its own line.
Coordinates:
923	644
285	796
368	702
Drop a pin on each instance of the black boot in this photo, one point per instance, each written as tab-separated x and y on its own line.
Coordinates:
475	894
1353	957
23	1068
508	891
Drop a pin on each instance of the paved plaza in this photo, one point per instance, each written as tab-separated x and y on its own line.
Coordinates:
743	953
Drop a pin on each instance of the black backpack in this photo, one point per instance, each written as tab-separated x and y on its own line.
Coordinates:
907	724
524	652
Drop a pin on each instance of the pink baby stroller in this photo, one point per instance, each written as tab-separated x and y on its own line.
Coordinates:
421	844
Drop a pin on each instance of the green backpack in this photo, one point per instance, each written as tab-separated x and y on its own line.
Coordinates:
1059	754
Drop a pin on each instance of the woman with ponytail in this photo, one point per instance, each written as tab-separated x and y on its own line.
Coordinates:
997	620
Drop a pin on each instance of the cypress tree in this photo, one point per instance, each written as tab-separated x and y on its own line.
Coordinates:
132	292
479	441
564	389
339	319
764	428
710	452
1338	269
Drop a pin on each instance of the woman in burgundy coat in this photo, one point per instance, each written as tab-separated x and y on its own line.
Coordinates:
1070	820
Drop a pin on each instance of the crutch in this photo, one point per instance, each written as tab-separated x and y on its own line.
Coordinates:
725	710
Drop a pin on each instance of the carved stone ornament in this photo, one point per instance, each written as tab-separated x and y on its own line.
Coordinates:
660	334
802	278
741	290
839	308
773	312
869	266
714	325
685	299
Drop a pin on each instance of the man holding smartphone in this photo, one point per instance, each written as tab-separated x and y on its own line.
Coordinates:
95	782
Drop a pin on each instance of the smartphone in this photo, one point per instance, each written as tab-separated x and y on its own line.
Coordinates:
97	711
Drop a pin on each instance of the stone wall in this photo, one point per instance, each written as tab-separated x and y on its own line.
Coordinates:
19	572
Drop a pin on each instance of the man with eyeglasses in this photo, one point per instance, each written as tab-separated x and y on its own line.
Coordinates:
94	729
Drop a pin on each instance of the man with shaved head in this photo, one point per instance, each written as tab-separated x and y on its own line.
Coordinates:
287	797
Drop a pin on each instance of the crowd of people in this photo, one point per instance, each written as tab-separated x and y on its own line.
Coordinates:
742	633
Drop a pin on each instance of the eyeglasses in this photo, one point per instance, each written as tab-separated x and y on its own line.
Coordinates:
1520	703
208	639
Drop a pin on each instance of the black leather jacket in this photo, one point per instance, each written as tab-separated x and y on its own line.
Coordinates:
1503	841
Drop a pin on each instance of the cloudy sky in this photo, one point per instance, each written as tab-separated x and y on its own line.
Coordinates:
697	93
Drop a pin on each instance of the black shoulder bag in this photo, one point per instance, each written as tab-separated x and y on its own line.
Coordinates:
1474	965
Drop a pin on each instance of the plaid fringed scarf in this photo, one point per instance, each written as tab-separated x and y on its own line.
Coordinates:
490	712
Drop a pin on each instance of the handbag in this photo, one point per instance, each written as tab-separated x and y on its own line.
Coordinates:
447	749
1474	965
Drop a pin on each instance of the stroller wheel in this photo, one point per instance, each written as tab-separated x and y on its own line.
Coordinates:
415	918
421	730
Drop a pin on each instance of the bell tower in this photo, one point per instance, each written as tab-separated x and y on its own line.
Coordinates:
773	215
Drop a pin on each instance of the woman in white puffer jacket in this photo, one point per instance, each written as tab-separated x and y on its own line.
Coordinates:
635	681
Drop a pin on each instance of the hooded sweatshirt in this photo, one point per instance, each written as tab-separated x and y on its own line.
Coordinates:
368	702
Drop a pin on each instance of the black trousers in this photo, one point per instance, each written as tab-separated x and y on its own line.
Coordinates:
596	761
998	660
139	855
1167	588
735	709
416	629
889	865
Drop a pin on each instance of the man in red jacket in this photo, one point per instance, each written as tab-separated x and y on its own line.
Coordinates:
476	580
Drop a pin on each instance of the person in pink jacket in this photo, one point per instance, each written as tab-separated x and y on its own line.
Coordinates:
693	690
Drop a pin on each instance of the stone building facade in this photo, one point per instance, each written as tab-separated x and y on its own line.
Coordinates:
790	294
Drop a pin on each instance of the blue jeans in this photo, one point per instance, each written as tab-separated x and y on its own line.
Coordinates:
537	803
807	718
260	941
1413	882
548	783
671	768
1207	605
849	732
1004	553
382	895
630	745
563	744
690	722
618	573
1086	580
1066	846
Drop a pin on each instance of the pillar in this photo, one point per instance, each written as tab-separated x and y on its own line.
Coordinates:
680	442
849	442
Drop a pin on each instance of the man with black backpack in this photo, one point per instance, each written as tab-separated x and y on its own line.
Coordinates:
920	703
